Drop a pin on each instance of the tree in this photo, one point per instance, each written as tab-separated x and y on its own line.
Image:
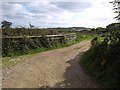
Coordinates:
116	5
31	26
113	27
99	29
6	24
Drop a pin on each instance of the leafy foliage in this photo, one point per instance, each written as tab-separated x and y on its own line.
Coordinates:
116	5
11	46
113	27
102	61
6	24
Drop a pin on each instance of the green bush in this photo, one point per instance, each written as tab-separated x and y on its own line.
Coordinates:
103	61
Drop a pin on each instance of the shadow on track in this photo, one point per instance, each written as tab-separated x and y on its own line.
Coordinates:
75	76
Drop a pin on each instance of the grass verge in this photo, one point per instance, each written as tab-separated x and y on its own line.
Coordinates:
106	75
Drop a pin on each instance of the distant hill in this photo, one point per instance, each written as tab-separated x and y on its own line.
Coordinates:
70	28
80	28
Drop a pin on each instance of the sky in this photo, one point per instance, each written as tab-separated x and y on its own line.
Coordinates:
58	13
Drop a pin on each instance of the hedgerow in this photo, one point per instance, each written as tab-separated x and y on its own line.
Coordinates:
102	61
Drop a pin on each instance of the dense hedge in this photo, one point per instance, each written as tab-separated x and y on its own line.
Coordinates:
102	61
11	46
33	32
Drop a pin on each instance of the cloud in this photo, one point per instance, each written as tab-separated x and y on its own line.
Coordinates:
89	13
73	6
44	7
15	10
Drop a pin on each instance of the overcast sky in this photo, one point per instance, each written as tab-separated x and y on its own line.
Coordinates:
62	13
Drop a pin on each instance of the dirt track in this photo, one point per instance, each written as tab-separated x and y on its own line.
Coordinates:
54	68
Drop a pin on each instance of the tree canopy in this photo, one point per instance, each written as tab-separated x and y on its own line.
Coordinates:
6	24
116	7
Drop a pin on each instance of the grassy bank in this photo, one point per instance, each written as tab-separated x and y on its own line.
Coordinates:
90	65
102	62
18	57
